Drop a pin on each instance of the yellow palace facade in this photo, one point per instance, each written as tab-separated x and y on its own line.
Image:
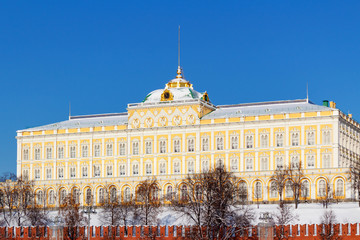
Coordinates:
176	131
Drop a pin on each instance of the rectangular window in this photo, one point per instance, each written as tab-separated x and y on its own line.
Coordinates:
72	172
311	138
37	153
249	164
279	140
190	166
84	151
26	154
48	173
37	174
109	149
136	169
205	144
61	152
176	167
234	164
72	152
249	141
295	139
61	173
84	171
109	171
264	140
135	148
279	162
48	153
122	149
162	168
122	170
191	145
97	171
97	150
220	143
264	164
177	145
326	137
234	142
310	159
148	168
148	147
162	146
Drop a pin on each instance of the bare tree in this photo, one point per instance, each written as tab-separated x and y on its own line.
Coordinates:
73	218
328	231
354	177
110	214
278	181
147	196
285	215
296	175
328	195
209	201
16	197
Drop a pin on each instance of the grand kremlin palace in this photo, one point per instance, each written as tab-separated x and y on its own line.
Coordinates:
176	131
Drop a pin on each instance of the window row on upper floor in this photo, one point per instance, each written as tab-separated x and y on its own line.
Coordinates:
262	163
175	145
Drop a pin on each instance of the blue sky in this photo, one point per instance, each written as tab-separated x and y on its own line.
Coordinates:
101	55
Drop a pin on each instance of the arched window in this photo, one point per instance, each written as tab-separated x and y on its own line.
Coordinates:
88	196
305	189
339	188
113	197
76	195
198	192
127	195
310	138
148	147
39	198
183	193
258	190
62	196
273	190
101	195
243	191
51	199
135	146
234	164
169	192
322	188
288	190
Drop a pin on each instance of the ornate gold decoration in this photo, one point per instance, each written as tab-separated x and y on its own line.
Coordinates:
167	95
205	97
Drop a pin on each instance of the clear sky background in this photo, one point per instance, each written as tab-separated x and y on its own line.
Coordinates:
102	55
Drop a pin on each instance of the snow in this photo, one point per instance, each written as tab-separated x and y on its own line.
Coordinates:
309	213
183	93
265	108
